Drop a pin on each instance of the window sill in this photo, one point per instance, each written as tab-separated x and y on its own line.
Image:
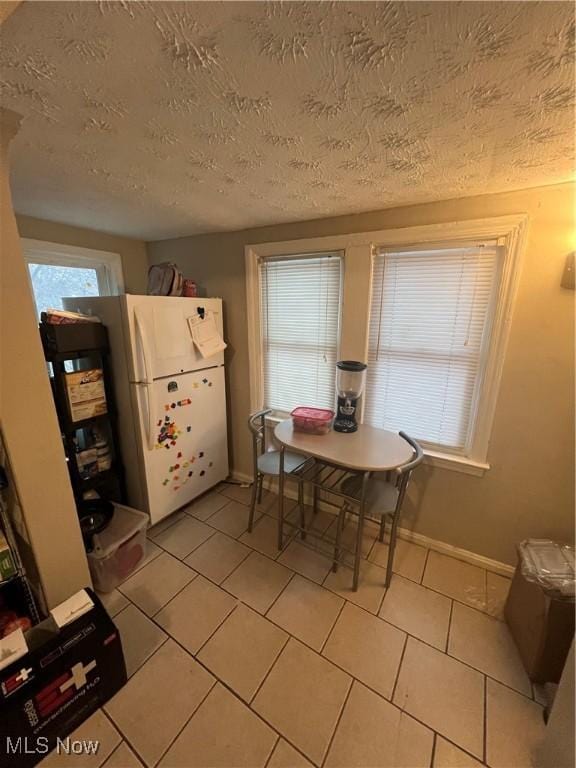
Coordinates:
455	463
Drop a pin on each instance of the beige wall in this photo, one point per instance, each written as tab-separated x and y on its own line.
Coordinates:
529	491
27	415
132	252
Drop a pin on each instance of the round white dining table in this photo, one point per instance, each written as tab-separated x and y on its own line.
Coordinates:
369	449
365	451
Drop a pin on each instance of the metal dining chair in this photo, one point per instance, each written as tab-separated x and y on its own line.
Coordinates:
268	462
383	498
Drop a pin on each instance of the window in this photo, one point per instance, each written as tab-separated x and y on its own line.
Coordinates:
427	307
430	321
58	271
52	282
299	321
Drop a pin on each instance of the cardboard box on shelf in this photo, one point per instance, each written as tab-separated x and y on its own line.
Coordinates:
86	394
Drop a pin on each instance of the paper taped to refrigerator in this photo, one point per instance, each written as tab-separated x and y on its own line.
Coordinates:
205	334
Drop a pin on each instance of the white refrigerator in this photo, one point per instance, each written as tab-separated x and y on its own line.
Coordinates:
171	401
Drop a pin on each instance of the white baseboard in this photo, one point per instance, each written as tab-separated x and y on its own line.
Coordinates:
495	566
240	477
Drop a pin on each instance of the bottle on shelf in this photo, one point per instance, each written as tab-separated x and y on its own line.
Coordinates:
103	452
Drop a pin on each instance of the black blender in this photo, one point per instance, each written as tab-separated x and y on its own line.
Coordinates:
350	380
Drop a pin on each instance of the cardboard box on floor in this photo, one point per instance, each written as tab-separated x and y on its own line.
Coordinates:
55	676
542	628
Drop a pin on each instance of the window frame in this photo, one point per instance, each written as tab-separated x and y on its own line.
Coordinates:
471	450
108	265
358	253
255	335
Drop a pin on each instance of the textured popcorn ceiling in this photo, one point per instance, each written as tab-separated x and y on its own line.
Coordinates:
163	119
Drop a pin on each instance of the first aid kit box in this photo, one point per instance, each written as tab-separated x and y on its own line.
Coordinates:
55	675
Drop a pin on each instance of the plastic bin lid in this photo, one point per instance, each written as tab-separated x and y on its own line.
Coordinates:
549	564
124	524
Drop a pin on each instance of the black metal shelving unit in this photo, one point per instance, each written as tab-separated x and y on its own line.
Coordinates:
15	590
86	345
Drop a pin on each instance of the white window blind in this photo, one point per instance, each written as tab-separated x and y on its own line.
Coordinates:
300	320
430	321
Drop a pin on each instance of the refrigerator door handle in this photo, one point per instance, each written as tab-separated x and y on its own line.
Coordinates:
149	389
148	380
144	346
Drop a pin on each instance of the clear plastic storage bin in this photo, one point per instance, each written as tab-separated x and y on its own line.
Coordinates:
119	549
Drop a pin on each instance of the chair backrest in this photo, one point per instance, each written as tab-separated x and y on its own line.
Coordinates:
405	471
257	425
416	459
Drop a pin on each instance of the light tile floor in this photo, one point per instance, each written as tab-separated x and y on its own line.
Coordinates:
243	656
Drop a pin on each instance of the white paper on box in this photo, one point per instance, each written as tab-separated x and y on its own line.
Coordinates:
71	609
12	647
205	334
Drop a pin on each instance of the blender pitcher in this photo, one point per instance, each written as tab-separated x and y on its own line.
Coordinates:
350	380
